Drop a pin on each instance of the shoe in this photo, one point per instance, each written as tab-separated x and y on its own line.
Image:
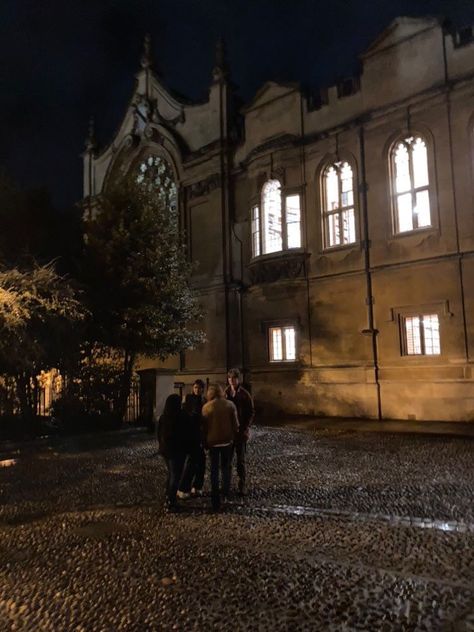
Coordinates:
183	495
196	492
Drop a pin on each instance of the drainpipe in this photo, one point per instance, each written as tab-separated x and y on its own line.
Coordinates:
368	275
305	223
225	259
453	185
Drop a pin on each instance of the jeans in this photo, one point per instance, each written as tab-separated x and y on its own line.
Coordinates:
240	450
175	465
221	458
194	471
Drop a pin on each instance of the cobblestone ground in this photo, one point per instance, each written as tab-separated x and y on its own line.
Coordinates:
340	531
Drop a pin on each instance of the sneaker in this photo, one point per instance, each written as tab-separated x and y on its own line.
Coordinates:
196	492
183	495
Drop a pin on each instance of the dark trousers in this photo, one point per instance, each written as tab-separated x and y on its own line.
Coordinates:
221	459
194	471
175	465
240	450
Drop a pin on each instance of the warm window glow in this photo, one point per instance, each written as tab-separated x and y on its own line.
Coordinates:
410	184
255	231
293	221
271	202
278	226
156	173
339	215
282	344
422	335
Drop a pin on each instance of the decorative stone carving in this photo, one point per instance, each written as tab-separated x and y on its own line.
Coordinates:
204	187
284	266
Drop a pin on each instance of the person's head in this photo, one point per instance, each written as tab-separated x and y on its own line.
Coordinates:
198	387
172	405
233	377
214	392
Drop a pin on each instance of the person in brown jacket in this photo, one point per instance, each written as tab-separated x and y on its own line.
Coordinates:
243	401
220	428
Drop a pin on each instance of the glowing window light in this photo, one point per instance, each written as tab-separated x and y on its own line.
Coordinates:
338	205
282	344
411	185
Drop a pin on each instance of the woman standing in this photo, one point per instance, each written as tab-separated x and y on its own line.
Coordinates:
173	433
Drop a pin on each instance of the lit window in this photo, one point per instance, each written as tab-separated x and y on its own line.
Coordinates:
156	173
421	335
282	342
278	226
411	198
338	196
256	231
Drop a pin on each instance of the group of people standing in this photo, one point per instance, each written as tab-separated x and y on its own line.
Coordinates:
218	421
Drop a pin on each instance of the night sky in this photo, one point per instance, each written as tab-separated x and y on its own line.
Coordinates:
62	61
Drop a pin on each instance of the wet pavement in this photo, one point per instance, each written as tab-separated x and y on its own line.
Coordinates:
341	530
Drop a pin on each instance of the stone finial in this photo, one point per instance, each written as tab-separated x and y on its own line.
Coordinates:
91	142
146	61
220	70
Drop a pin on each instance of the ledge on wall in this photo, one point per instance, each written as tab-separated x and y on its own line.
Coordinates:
277	266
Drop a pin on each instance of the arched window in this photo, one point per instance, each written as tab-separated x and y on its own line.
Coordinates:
410	184
276	224
156	173
338	205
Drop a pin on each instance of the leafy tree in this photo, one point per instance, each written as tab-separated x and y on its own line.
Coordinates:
38	313
138	278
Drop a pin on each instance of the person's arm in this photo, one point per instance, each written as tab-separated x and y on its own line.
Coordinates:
204	418
235	420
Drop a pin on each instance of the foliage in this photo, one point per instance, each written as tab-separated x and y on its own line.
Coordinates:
138	277
38	313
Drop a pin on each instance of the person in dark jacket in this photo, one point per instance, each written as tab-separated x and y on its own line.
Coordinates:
195	468
243	401
174	437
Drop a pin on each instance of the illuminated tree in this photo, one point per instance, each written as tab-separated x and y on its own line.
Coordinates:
38	313
138	276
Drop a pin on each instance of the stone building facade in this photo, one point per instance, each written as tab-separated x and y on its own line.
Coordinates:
333	235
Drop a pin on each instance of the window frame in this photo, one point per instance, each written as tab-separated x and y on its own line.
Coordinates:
404	337
281	326
258	207
337	163
408	139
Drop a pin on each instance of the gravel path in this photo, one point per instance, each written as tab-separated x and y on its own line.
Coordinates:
340	531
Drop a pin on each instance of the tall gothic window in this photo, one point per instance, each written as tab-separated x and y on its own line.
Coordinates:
276	224
156	173
410	184
338	205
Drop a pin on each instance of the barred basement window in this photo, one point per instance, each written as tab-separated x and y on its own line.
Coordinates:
410	185
282	344
278	226
421	335
338	205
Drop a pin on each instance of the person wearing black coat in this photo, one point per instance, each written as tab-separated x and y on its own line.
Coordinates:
174	437
195	468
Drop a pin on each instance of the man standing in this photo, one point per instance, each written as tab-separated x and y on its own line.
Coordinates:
243	401
220	427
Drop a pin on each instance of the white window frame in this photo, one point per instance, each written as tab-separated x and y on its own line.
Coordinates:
413	190
341	209
287	355
422	339
258	222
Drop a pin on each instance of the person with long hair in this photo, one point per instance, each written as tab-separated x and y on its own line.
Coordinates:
173	434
